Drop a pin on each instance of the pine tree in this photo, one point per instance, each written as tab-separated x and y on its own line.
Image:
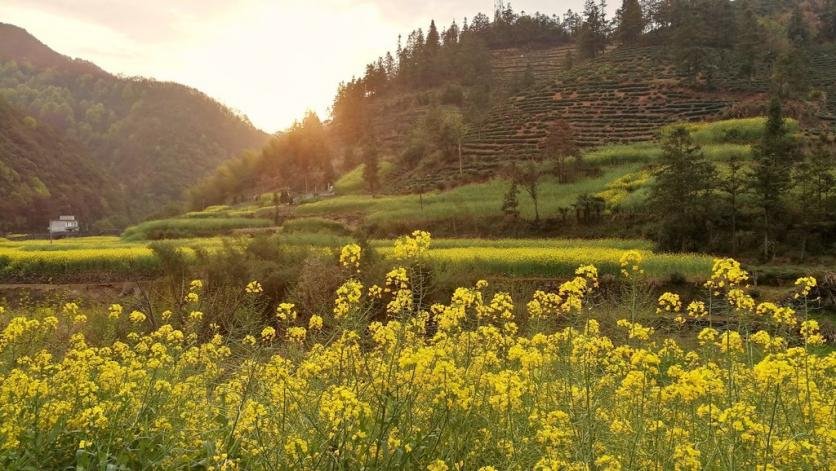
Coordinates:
371	167
451	35
769	179
592	38
630	22
749	42
733	185
815	185
433	42
681	193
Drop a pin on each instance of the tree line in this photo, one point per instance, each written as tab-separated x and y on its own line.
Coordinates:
297	161
785	196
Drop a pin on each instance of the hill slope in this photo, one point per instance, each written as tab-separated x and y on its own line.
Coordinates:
43	174
623	96
155	138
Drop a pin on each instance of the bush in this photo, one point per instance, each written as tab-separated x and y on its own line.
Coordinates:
315	225
452	94
178	228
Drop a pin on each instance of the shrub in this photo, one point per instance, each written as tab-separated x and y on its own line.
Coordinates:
177	228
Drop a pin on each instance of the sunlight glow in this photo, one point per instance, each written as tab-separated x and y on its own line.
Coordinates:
270	60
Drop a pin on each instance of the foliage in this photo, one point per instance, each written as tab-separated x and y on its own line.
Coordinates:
351	182
680	195
43	175
314	225
371	168
178	228
300	161
770	176
593	35
510	202
153	137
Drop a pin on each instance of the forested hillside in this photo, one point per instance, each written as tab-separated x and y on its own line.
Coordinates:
42	175
153	139
456	104
578	113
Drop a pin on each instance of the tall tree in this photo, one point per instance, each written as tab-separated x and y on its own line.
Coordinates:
732	186
748	46
769	178
815	185
433	39
371	167
592	38
560	146
680	195
510	201
630	22
529	178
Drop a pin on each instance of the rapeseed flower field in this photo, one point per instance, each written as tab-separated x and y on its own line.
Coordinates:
384	381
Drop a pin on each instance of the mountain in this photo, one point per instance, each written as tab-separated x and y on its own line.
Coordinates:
43	175
153	139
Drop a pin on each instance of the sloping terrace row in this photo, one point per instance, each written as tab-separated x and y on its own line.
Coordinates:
626	95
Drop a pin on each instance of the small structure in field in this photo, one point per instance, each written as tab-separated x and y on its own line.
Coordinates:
64	225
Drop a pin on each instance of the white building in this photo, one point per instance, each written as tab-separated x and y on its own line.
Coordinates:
63	225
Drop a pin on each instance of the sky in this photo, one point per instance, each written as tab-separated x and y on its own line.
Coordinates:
271	60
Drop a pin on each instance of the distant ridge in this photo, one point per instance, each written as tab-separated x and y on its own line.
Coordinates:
17	44
152	139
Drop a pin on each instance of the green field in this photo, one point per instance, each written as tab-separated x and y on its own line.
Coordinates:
110	257
192	226
623	183
623	179
467	203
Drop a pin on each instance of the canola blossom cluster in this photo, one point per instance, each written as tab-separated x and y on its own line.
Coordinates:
480	382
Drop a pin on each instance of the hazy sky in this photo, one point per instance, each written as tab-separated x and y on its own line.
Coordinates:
271	60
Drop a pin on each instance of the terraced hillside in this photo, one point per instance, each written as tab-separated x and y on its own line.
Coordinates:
824	65
509	64
624	96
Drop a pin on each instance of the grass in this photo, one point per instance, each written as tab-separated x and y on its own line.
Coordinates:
739	131
466	203
177	228
618	154
471	208
314	225
352	182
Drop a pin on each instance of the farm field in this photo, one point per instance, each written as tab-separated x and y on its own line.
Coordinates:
114	257
482	381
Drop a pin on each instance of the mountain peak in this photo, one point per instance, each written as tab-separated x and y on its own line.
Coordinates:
19	45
